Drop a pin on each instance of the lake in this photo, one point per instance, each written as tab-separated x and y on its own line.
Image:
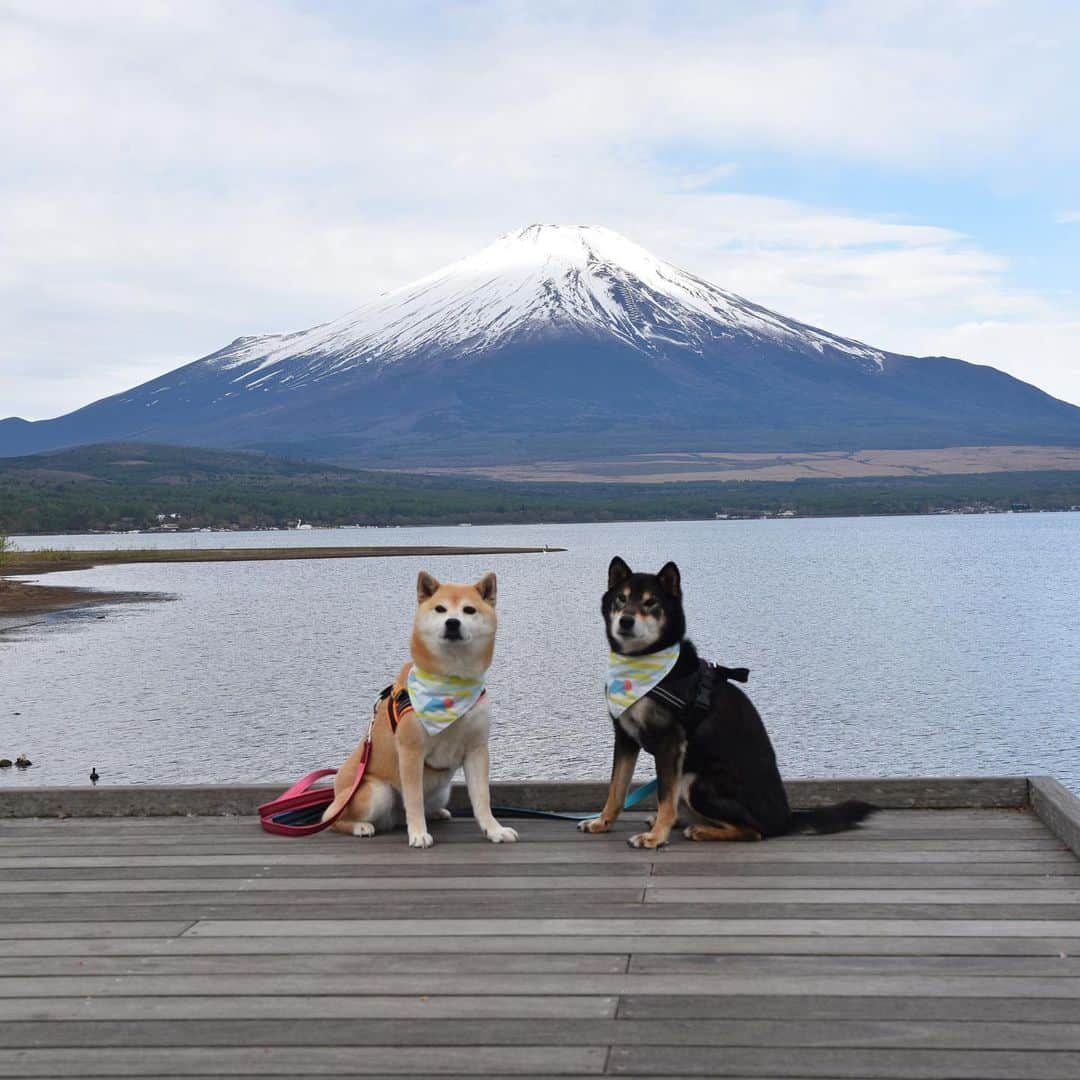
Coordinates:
877	647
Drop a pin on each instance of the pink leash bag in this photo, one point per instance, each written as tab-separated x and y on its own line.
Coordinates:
298	811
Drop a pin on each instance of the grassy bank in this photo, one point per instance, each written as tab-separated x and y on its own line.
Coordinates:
55	559
20	598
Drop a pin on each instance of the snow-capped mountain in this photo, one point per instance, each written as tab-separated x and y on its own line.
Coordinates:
528	283
556	341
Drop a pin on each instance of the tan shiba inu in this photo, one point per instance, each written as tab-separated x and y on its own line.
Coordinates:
434	721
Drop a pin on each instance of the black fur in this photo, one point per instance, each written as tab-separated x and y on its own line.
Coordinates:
727	749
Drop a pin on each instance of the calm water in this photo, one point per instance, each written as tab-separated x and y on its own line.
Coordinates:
878	646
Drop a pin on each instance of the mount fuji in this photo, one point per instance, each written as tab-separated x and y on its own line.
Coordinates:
558	342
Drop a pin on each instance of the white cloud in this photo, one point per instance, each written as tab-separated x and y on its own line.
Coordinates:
184	172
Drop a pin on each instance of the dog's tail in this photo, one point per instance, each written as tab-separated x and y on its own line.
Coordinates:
829	819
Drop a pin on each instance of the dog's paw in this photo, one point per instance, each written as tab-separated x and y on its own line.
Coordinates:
501	834
421	839
646	840
693	832
442	814
594	825
363	828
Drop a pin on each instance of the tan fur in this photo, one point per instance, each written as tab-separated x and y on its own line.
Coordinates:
725	831
621	775
411	770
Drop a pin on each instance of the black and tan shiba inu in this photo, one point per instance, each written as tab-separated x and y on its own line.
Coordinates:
713	755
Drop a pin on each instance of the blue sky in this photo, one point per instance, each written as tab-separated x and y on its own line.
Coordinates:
178	174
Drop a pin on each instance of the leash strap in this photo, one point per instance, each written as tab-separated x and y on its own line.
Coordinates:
298	811
636	796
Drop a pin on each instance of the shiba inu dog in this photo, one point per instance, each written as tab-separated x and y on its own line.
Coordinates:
433	721
713	755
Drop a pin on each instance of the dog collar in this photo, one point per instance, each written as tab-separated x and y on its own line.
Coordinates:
630	678
439	700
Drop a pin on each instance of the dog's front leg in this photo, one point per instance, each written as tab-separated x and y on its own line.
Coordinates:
477	767
622	772
411	768
669	759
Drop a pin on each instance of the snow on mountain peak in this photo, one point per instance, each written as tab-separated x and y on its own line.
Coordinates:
535	280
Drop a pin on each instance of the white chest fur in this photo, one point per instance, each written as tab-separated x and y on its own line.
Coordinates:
447	750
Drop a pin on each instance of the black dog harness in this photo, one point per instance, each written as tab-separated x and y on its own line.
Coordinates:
691	695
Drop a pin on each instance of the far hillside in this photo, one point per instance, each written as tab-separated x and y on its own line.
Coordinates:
122	486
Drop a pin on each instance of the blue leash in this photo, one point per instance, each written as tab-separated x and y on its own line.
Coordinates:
636	796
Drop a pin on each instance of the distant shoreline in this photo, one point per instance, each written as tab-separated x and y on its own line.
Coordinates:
22	598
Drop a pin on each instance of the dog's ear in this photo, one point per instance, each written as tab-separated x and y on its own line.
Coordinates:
486	588
426	586
617	572
669	578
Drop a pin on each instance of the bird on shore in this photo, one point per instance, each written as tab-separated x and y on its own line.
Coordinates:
23	762
94	778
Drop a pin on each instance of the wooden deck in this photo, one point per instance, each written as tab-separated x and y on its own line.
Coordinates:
930	944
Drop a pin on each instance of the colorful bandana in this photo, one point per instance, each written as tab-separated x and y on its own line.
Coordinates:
439	700
630	678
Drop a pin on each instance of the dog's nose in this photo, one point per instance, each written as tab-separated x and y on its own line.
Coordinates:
452	624
626	622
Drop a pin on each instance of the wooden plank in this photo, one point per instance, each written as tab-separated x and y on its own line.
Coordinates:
288	1031
242	799
225	871
886	825
127	830
1058	808
231	985
294	1061
1054	865
171	836
172	830
621	944
99	929
434	882
833	845
694	963
598	927
1062	886
836	1063
643	963
824	1010
1045	890
372	963
595	850
426	907
796	895
714	874
126	1008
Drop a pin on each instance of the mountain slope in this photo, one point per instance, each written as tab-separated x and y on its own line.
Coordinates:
555	342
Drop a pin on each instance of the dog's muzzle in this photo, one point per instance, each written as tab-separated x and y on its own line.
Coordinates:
452	630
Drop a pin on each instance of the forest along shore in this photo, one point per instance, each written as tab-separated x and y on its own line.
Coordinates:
21	598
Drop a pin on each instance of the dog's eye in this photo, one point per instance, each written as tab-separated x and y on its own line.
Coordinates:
469	610
440	609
